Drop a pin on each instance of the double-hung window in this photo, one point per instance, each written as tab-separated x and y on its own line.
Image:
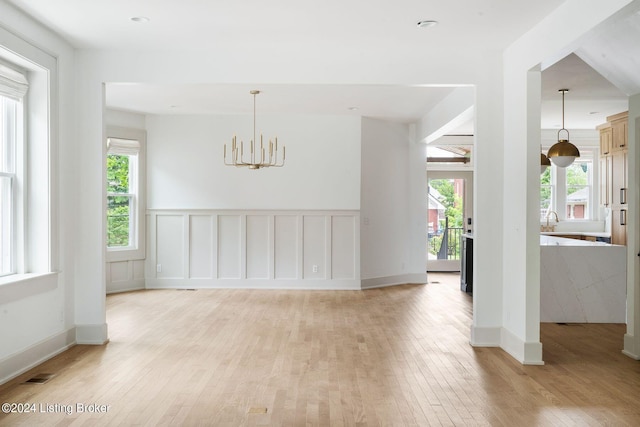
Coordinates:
13	87
125	204
569	191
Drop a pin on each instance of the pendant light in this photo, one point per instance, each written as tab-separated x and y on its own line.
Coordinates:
563	153
544	162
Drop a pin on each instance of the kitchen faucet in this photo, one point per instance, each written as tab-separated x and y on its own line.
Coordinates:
549	213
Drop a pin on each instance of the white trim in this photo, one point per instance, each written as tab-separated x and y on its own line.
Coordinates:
92	334
32	356
527	353
400	279
125	286
306	284
485	336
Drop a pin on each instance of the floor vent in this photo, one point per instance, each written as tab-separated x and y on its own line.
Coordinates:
257	410
39	379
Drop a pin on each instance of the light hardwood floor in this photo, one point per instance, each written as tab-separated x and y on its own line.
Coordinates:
393	356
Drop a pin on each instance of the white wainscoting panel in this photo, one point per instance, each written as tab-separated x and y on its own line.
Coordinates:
229	246
122	276
288	238
314	247
253	249
201	246
170	250
343	247
258	248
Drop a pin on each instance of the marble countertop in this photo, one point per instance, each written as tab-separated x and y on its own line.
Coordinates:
576	233
546	240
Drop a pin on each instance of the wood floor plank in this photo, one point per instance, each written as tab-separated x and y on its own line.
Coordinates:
393	356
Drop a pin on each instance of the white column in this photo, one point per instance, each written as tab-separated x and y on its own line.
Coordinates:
90	284
488	206
632	337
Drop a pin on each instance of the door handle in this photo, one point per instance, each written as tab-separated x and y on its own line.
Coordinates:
623	217
623	196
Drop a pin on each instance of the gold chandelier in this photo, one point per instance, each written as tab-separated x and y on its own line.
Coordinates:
258	157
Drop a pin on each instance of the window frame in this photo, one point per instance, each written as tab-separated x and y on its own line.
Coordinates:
137	228
10	171
14	86
559	189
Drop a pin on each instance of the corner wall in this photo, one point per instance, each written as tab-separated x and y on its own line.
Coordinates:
37	318
392	169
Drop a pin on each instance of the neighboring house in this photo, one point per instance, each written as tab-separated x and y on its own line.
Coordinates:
577	204
436	212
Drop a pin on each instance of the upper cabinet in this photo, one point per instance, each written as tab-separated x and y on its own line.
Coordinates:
613	173
619	131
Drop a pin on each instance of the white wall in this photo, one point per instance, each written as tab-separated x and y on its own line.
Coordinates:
186	171
37	315
387	226
556	36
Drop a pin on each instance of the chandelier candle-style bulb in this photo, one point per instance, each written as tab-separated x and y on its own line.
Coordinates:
238	160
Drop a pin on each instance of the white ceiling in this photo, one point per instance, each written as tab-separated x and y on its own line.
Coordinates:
396	103
334	29
591	97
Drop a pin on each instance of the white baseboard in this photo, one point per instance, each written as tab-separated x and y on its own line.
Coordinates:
306	284
125	286
402	279
527	353
21	362
92	334
630	346
485	337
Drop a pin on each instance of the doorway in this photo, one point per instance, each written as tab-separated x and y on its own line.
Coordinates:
449	214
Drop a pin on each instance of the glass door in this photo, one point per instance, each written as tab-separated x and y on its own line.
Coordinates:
448	218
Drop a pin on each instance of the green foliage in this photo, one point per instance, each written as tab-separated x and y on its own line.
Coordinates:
577	177
117	173
453	205
118	210
434	244
545	189
451	201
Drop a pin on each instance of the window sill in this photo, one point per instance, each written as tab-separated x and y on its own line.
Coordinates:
116	255
19	286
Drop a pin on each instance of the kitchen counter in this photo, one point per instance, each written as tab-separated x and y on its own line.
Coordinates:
576	233
550	240
582	281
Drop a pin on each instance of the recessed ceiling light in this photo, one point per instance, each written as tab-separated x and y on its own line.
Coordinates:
140	19
427	23
353	108
594	112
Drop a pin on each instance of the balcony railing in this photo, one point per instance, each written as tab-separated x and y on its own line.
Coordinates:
446	244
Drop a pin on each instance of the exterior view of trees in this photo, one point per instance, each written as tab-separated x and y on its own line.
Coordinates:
118	200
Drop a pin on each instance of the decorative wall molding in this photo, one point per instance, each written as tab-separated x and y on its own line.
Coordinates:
264	249
124	276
